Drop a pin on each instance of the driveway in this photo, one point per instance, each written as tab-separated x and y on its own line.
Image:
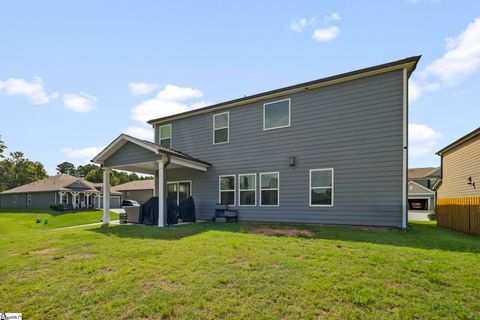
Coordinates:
414	215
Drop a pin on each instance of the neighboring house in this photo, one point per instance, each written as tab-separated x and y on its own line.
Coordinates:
329	151
64	189
115	197
460	167
140	190
421	194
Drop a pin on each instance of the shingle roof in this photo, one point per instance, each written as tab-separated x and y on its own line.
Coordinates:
148	145
55	183
411	61
420	173
135	185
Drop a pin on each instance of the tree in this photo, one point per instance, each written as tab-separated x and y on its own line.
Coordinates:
67	168
82	171
17	170
95	175
2	147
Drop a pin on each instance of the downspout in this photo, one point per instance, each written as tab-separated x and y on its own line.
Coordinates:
405	151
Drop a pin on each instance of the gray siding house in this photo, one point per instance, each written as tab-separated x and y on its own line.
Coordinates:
421	193
73	192
330	151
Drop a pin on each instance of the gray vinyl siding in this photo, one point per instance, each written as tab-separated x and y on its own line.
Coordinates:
131	153
354	127
39	200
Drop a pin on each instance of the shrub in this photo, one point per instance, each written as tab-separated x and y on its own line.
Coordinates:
432	216
58	207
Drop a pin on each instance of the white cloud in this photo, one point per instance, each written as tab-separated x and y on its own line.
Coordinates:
422	139
298	25
332	17
142	88
414	91
82	154
34	90
80	102
174	93
461	59
325	34
140	132
171	100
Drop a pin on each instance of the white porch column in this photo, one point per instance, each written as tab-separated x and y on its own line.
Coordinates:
161	193
106	195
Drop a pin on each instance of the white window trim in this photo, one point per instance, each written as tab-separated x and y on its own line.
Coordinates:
234	188
310	188
160	138
14	199
29	199
267	189
240	190
289	114
178	190
226	127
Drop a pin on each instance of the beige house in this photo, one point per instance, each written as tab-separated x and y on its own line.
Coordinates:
140	190
460	166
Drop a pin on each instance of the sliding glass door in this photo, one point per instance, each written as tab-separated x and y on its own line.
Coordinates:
179	190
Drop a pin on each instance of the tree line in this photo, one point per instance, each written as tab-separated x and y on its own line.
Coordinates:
94	173
16	170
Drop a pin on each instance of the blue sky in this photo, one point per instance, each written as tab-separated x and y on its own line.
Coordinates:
76	74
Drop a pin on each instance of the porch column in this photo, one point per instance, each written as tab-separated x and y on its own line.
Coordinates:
160	186
106	195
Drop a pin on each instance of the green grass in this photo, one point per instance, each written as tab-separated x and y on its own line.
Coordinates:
223	271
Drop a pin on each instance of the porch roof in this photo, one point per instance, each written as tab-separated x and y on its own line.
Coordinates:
133	154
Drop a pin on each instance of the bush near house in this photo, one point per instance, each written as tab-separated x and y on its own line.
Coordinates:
432	216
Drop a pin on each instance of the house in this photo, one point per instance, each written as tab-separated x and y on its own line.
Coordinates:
460	167
64	189
331	151
421	193
140	190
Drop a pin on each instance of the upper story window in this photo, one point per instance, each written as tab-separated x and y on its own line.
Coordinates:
221	123
276	114
321	187
166	136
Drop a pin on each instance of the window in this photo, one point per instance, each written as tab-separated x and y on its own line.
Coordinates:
226	190
179	191
269	188
14	199
166	136
221	122
65	199
247	186
276	114
321	187
29	199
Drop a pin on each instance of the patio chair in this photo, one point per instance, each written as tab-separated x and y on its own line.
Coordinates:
224	214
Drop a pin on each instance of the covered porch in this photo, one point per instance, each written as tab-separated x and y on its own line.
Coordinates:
135	155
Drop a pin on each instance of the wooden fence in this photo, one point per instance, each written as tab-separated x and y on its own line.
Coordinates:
459	214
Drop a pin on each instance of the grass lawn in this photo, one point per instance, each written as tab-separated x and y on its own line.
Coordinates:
230	271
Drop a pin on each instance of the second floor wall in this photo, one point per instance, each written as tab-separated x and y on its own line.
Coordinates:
361	118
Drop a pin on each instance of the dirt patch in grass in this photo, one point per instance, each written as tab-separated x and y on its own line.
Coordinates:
44	251
290	232
373	228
